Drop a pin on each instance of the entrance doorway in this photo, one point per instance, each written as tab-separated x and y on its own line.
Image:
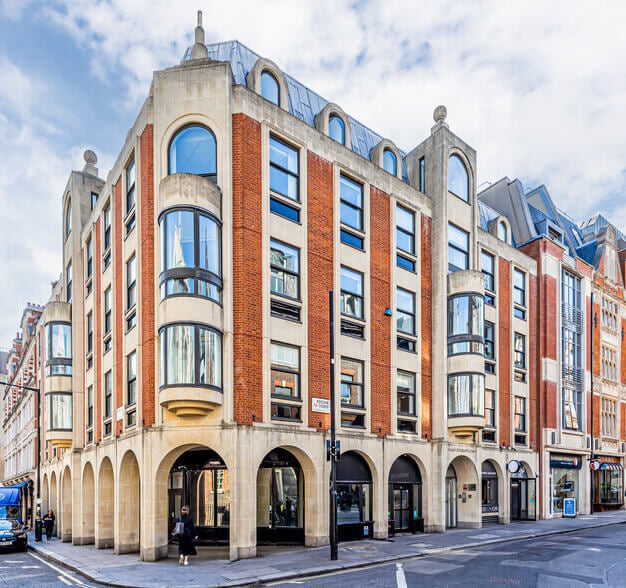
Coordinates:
451	514
200	479
489	485
280	500
523	496
405	496
354	498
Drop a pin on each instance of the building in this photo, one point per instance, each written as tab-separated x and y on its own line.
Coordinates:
185	353
19	425
4	375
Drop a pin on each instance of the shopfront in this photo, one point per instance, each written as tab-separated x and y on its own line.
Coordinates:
608	485
405	497
565	480
354	498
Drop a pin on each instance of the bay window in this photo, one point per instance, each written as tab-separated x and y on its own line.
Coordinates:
58	349
191	259
191	355
58	411
465	324
466	395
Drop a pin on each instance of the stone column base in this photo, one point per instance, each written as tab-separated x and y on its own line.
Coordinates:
104	543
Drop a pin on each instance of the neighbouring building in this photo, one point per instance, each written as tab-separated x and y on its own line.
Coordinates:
19	425
185	353
4	375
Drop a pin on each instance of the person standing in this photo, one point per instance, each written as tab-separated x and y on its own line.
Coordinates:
186	541
48	524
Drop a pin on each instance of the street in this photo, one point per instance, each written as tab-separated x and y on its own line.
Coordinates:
594	557
26	569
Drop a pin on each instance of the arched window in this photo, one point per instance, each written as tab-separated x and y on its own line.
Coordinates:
336	130
193	151
390	163
502	232
269	88
458	180
68	218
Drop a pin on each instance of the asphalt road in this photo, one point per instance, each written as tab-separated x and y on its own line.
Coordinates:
23	568
595	557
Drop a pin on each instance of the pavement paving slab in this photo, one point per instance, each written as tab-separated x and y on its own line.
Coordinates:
212	568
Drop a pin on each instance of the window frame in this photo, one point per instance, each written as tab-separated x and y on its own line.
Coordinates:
266	73
195	273
131	286
107	307
517	414
519	294
107	410
474	335
284	369
402	261
519	357
457	248
411	313
131	378
347	293
52	360
333	117
394	160
471	382
490	293
451	170
130	186
350	234
360	385
210	175
281	269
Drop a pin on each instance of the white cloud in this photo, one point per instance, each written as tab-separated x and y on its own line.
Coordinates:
537	88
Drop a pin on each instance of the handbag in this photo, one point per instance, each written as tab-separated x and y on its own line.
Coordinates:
179	529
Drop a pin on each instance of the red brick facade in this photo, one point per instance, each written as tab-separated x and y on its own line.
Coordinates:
146	285
320	263
380	290
247	270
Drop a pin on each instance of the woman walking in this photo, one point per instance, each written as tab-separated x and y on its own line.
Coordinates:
186	540
48	524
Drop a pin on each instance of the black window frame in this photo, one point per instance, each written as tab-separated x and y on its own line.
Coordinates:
350	234
106	234
282	269
89	260
490	411
466	253
131	286
394	171
130	189
196	274
89	327
108	395
359	384
212	176
107	306
90	407
283	169
456	157
519	356
406	392
407	263
422	175
334	116
470	375
131	379
54	360
490	276
68	281
94	200
519	294
283	369
475	341
518	414
402	311
360	297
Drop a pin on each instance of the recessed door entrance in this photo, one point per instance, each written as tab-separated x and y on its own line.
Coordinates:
523	496
451	517
405	497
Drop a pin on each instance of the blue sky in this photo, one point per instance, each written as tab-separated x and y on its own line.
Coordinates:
538	89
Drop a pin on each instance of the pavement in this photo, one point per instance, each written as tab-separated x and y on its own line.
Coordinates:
212	568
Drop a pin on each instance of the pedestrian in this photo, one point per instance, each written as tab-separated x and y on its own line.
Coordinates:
48	524
187	539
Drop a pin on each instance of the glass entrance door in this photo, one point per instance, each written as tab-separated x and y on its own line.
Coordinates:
523	499
402	507
450	501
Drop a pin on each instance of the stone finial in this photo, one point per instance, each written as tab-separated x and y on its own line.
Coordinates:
91	159
199	50
440	114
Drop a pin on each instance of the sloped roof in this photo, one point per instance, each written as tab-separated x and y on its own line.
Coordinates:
304	104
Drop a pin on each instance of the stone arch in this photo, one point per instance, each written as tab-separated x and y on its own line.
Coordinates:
378	151
45	495
322	121
52	504
105	528
129	505
253	79
66	505
88	504
310	487
502	495
469	506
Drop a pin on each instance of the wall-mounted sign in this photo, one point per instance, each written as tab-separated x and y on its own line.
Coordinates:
469	487
566	461
320	405
119	413
513	466
594	465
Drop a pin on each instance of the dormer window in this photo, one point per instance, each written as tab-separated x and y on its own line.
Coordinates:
390	162
269	88
193	151
336	129
502	232
458	179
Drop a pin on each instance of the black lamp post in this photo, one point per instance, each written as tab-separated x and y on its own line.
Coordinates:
594	325
332	453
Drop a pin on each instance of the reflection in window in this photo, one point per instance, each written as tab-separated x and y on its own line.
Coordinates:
458	249
466	395
285	361
336	129
193	151
269	88
390	162
58	411
68	218
284	169
131	374
487	265
58	349
351	293
351	382
405	319
191	355
465	324
406	393
458	180
189	267
285	270
502	232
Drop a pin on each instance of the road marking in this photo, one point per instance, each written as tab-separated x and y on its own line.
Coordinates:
65	581
400	579
30	567
63	573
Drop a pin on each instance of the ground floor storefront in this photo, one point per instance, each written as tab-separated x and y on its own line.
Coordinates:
248	487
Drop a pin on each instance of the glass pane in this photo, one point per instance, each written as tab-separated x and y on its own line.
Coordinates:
283	183
193	151
351	281
180	355
269	88
283	155
477	326
351	216
405	219
210	359
406	300
284	256
180	239
458	315
209	245
285	356
336	130
458	237
458	180
390	163
60	341
405	323
351	191
348	510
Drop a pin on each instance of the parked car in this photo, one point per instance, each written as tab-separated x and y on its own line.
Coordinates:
12	535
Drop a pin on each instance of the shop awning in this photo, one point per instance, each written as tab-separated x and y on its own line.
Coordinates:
9	496
611	466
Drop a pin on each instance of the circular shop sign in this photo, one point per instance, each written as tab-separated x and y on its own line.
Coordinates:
513	466
594	465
